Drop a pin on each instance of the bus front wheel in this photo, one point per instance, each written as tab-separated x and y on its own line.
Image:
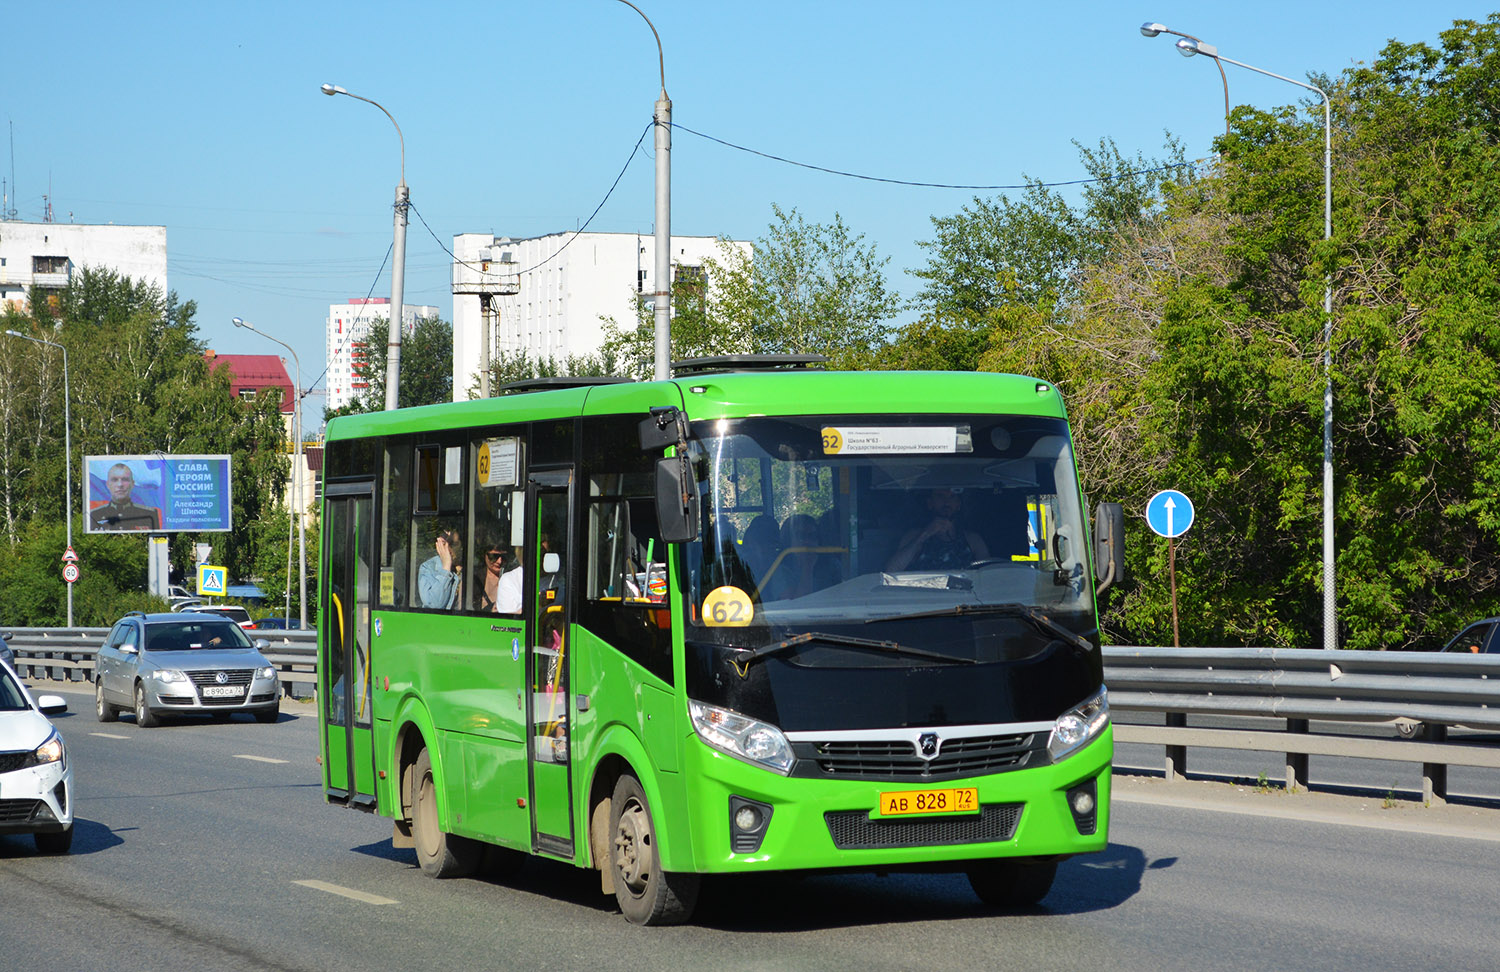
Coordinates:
1012	884
441	855
647	895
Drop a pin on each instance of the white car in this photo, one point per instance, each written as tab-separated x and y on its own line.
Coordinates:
36	782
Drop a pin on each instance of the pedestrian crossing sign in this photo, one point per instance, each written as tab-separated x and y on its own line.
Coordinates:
211	580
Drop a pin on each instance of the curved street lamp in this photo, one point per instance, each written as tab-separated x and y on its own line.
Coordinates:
1189	46
398	268
297	493
67	449
1152	29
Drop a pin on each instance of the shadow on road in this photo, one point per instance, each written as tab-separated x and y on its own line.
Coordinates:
818	901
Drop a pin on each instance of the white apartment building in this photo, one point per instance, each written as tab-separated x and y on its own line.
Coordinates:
48	255
551	293
348	335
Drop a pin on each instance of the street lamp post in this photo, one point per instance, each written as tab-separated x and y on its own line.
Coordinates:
398	268
1151	30
67	449
662	299
1190	46
297	493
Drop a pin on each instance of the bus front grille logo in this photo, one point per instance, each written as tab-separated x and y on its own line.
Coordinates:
927	743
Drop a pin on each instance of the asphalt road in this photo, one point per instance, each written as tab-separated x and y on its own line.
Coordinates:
208	846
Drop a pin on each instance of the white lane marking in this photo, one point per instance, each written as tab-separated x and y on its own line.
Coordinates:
260	759
108	735
373	899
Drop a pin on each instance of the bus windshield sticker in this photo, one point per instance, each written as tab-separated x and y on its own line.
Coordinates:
496	460
895	440
727	607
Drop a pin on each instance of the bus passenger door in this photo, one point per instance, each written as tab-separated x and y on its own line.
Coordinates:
548	660
344	635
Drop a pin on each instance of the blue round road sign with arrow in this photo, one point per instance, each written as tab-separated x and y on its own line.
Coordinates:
1169	513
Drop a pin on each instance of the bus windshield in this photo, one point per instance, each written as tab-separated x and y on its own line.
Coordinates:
858	520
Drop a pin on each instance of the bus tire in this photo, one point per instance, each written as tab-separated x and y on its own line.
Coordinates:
1012	884
441	855
647	895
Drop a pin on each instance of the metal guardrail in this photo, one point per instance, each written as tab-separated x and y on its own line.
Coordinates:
68	655
1408	689
1292	686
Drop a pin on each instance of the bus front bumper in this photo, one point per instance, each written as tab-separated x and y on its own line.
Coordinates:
747	819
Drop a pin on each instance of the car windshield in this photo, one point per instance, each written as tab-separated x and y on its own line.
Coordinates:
12	699
864	519
191	635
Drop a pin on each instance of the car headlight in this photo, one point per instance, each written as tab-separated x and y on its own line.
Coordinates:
1079	726
268	672
50	751
169	675
741	737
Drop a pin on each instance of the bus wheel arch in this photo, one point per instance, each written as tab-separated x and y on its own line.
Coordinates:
646	893
601	791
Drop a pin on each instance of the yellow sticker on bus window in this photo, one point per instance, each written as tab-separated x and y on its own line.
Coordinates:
727	607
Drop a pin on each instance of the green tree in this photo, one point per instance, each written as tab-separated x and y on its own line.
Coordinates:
139	384
804	288
426	367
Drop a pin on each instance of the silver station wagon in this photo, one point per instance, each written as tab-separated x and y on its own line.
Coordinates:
183	664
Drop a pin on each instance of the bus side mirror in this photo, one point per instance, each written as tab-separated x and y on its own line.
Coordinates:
676	501
659	429
1109	545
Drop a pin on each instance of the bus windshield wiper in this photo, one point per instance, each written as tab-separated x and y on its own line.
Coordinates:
895	648
1036	616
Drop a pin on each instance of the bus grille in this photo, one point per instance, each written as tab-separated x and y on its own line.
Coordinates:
854	830
897	759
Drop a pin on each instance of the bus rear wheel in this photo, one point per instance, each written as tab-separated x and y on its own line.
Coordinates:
441	855
1012	884
647	895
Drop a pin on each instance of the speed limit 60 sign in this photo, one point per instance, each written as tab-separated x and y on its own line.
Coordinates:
70	572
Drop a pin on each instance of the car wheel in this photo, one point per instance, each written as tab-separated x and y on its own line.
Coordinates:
647	895
1408	729
102	709
441	855
1012	884
268	715
55	843
144	717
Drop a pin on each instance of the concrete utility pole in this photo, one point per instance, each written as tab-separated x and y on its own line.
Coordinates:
398	268
662	298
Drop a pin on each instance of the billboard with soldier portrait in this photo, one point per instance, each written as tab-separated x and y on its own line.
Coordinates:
156	494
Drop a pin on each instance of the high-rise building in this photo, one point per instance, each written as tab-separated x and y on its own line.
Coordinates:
48	255
548	295
348	338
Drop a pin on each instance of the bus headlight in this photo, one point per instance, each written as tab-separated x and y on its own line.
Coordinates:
741	737
1079	726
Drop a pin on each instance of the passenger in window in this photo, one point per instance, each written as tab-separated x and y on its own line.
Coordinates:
440	578
944	543
726	568
803	569
761	545
501	592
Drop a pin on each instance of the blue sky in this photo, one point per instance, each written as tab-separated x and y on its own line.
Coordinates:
207	118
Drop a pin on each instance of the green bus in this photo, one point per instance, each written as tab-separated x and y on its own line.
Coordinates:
758	617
